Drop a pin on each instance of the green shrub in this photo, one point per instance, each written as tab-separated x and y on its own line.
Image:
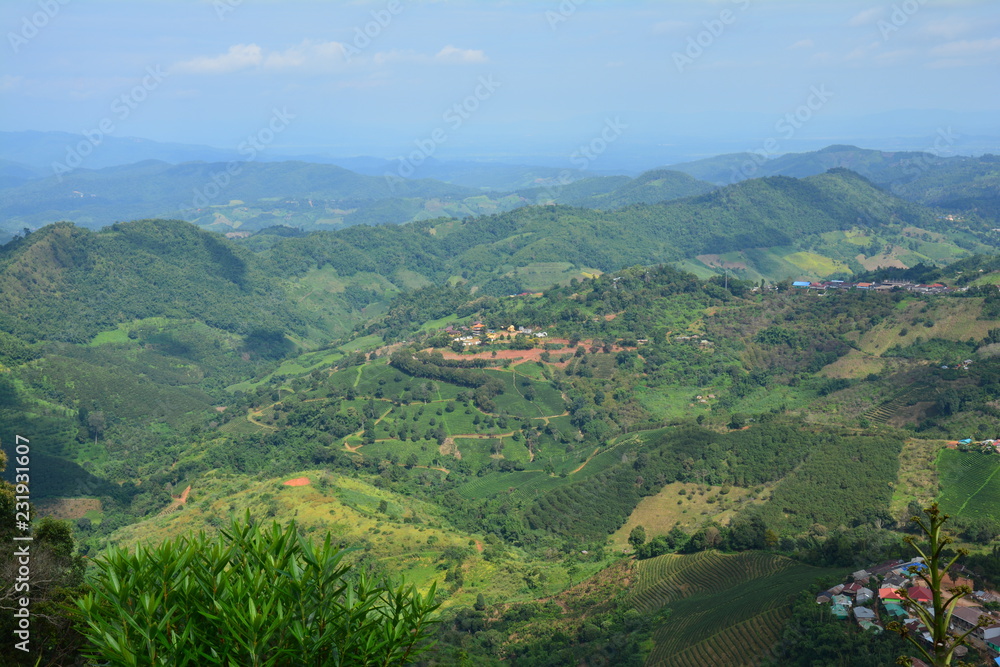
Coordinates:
252	597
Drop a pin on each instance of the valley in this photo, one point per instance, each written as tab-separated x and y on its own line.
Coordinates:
763	378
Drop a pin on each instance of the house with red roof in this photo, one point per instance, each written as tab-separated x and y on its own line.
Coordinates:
920	594
888	594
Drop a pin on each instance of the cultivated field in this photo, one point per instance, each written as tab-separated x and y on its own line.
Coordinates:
970	484
725	609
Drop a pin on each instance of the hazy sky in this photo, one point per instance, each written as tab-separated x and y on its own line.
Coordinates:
492	77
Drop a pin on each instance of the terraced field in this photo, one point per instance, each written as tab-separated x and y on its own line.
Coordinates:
882	413
725	609
970	484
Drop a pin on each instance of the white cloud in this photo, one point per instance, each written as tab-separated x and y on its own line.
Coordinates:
802	44
966	47
865	17
450	54
239	56
306	54
447	55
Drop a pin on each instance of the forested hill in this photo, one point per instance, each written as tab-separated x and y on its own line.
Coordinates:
67	283
777	211
880	166
147	268
615	191
158	189
933	177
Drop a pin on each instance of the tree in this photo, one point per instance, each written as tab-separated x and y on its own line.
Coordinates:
96	424
252	596
637	537
937	565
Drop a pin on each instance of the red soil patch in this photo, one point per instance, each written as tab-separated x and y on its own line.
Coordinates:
298	481
479	546
183	498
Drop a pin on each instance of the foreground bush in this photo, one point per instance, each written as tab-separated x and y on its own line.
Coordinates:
251	597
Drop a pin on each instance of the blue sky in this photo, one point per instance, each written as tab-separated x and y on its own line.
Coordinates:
500	79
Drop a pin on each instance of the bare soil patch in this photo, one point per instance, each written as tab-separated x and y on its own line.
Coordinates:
449	448
298	481
67	508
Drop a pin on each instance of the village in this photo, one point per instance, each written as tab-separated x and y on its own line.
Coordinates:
872	597
478	333
988	446
887	286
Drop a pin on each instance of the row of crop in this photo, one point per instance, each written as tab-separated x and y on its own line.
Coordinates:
715	601
495	483
968	475
664	578
739	644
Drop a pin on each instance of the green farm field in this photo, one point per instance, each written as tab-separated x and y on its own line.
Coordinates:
723	608
970	484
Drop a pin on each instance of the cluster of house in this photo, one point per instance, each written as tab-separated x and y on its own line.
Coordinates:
872	598
887	286
964	365
473	334
988	446
701	342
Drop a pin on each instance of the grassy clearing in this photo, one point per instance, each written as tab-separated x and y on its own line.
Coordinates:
674	403
363	343
697	506
950	319
854	364
815	264
918	475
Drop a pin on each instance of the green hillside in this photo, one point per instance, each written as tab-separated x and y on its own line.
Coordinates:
761	435
724	608
66	283
769	221
609	192
953	183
